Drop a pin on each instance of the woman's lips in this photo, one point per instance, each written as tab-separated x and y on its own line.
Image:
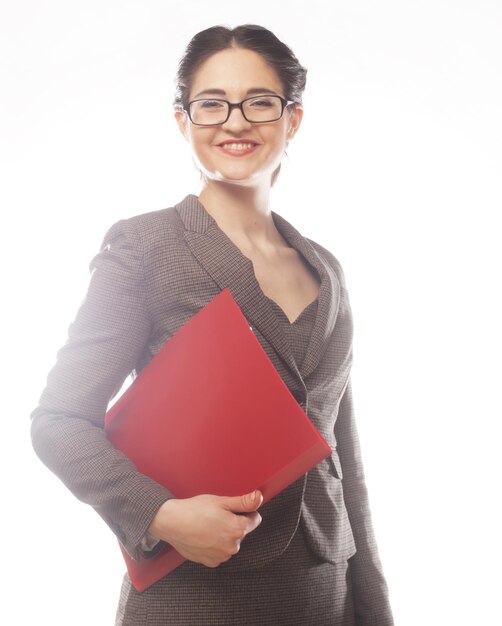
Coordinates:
237	149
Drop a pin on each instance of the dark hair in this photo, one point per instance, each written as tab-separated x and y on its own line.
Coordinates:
278	55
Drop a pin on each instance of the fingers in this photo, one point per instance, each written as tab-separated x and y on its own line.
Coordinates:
211	556
251	521
206	529
243	525
243	504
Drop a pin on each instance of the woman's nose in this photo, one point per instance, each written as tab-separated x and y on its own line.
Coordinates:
236	120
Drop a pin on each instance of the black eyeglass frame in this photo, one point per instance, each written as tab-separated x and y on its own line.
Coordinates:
239	105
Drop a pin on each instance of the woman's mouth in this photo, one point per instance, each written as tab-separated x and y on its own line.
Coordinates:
237	148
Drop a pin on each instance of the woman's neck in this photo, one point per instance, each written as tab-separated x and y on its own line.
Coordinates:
242	211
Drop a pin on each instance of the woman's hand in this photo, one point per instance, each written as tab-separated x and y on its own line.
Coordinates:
205	528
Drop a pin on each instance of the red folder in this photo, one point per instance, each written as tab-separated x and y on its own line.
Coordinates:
211	414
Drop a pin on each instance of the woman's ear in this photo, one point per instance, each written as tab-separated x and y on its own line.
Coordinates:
295	119
182	120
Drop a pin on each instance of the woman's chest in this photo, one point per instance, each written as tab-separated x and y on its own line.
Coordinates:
289	280
179	285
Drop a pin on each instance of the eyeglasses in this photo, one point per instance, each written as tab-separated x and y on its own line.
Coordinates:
258	110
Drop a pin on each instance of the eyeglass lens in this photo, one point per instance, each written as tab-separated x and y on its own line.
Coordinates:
260	109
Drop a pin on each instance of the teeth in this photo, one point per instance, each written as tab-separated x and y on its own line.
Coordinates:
238	146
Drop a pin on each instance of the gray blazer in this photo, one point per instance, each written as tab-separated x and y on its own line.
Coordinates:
153	273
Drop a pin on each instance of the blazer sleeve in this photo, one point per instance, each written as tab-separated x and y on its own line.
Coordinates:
370	591
104	344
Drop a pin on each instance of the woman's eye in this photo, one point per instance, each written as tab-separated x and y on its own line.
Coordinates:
261	103
211	104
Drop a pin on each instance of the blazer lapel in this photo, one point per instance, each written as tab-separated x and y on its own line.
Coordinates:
226	264
329	295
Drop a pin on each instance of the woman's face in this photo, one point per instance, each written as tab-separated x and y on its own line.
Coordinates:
237	74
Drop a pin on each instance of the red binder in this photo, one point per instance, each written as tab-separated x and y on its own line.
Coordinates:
211	414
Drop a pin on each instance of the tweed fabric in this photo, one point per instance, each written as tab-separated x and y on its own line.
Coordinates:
296	589
299	331
153	273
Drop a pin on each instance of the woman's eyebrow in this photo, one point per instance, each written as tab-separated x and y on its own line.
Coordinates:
222	92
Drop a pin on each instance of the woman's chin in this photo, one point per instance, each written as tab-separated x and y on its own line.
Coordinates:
242	178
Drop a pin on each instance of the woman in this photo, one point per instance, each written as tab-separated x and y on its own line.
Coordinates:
309	555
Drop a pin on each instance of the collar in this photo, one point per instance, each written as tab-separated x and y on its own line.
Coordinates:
226	264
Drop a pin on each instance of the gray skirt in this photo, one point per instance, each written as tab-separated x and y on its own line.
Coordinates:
296	589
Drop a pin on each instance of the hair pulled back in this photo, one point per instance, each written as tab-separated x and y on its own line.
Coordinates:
207	42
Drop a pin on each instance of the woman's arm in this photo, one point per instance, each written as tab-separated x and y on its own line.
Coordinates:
370	591
104	344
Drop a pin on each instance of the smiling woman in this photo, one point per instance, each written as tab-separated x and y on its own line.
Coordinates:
252	125
309	556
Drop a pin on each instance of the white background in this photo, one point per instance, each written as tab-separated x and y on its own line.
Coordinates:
396	169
